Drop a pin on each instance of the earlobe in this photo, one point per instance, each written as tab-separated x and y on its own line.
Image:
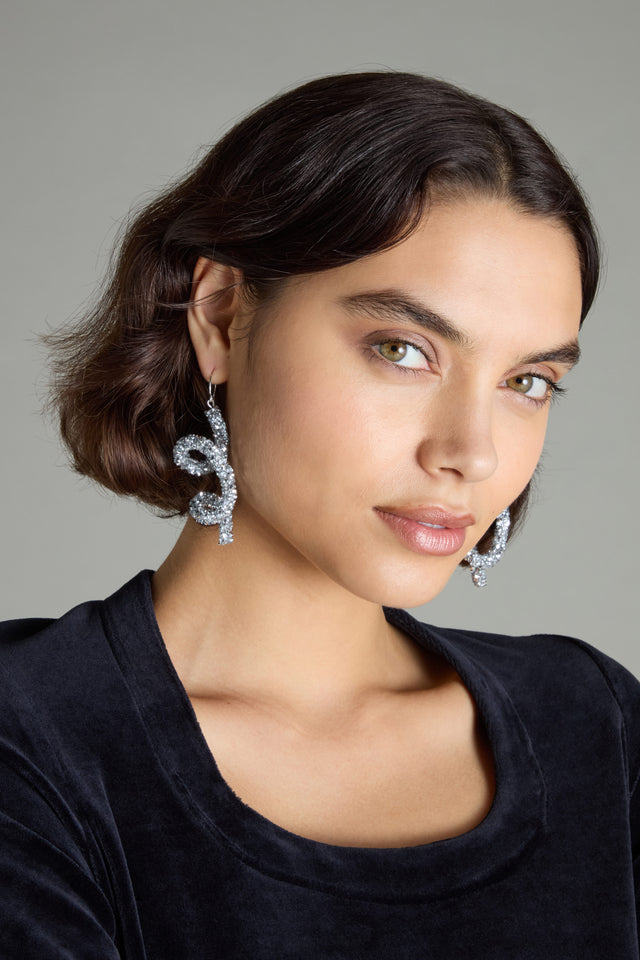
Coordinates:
215	301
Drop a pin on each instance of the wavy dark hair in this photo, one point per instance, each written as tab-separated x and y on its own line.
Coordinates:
332	171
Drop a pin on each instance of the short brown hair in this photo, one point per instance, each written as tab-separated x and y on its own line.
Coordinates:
329	172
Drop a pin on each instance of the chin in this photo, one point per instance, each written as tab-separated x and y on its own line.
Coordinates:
397	588
405	596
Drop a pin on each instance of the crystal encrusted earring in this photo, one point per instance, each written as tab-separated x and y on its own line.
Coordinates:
480	561
209	508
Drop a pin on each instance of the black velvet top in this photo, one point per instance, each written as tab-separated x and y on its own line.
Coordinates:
120	839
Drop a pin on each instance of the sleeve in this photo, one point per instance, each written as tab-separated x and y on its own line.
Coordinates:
56	899
626	690
51	906
628	696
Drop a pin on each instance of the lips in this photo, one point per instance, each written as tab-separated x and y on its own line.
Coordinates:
429	530
435	516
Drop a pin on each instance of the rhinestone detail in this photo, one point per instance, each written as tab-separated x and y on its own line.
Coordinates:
479	562
209	508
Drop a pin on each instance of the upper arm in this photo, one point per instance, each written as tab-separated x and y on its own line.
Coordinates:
50	907
56	888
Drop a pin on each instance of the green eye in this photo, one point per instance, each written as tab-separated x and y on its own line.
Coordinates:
393	350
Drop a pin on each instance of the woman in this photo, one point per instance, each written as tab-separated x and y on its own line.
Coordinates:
376	283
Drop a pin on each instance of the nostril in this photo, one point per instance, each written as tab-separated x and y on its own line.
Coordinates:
472	457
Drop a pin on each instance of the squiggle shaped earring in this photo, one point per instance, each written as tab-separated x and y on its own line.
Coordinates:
480	561
209	508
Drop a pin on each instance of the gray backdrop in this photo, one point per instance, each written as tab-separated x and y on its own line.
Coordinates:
104	101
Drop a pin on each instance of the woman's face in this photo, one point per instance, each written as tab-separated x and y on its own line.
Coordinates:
393	407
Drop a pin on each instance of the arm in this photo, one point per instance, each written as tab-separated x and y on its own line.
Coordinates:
50	908
51	905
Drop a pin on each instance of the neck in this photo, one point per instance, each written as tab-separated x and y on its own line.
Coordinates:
255	620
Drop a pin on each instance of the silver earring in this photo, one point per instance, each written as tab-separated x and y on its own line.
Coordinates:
480	561
209	508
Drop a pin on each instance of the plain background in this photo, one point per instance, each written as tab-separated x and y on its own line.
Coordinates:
102	103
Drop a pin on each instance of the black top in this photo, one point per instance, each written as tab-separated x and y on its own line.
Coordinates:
120	839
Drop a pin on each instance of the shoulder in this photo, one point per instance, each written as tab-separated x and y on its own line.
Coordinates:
518	660
42	658
54	731
61	686
69	724
551	679
43	651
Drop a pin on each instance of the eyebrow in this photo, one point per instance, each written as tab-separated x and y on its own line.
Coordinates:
396	306
393	305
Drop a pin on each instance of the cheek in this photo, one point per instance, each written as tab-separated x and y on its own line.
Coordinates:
308	440
520	446
288	430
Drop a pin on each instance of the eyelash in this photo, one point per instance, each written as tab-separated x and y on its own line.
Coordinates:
376	355
554	392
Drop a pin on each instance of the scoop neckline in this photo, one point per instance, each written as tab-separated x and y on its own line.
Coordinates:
384	874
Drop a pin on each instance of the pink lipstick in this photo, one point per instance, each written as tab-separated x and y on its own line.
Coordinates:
433	531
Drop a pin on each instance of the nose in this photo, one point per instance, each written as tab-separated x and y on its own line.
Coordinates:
458	437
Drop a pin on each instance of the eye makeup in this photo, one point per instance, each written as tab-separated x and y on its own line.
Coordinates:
404	355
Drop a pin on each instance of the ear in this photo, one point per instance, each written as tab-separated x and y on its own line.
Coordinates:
215	301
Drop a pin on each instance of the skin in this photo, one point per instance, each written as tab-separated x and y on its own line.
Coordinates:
279	638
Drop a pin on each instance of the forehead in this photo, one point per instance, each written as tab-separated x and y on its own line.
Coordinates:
485	265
